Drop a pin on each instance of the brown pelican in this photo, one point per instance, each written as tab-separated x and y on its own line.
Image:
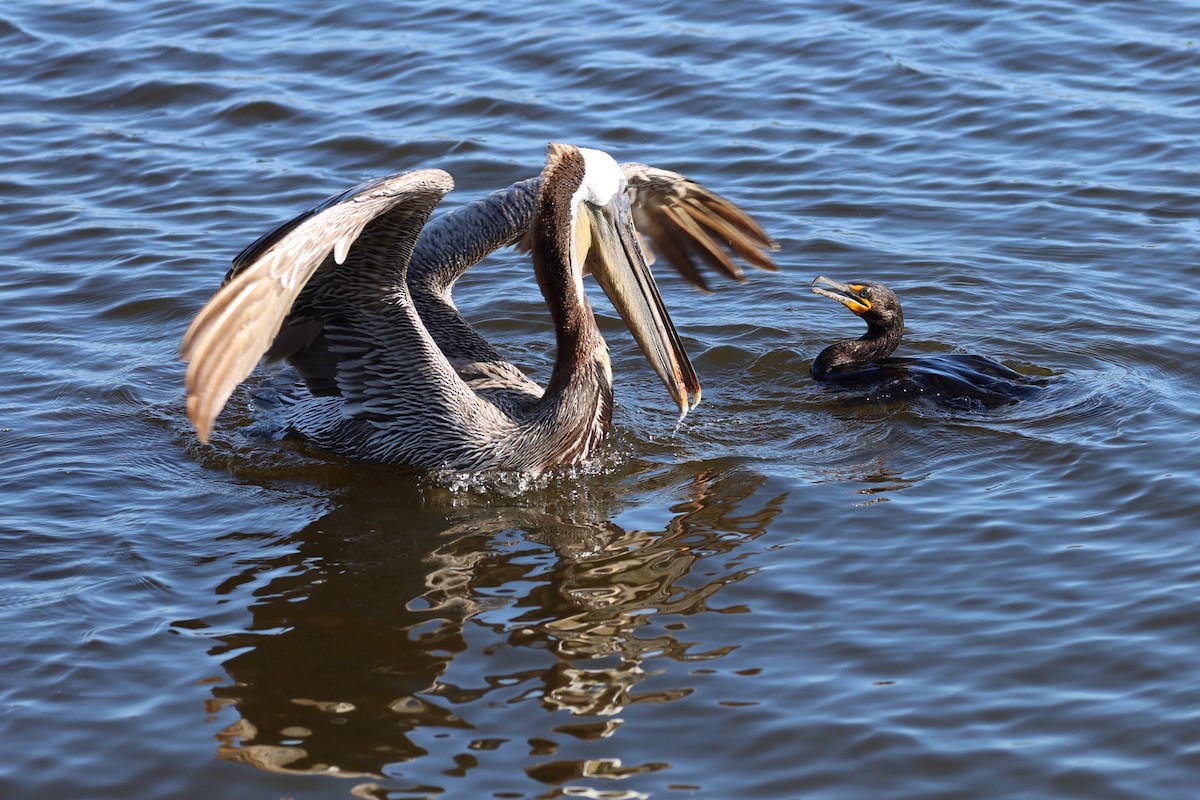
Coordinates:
356	295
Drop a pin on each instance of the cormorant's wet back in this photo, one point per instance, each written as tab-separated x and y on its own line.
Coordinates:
956	380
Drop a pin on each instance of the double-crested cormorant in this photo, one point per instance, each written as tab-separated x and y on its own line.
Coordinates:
356	295
952	379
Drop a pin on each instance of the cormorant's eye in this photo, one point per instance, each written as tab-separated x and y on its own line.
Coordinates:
864	292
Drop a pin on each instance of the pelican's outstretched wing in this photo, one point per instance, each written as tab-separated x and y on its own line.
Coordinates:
283	287
451	244
685	222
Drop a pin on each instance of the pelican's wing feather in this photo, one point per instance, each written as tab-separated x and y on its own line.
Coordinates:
685	222
359	241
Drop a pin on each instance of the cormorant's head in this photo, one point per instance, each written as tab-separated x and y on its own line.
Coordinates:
875	303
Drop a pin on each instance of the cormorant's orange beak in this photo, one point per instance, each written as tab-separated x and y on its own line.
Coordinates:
852	295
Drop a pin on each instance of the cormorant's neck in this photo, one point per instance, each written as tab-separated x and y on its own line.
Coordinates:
880	341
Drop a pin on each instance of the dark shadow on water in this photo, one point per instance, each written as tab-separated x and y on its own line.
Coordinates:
344	666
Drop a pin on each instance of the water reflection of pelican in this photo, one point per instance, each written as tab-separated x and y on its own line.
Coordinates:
344	669
395	375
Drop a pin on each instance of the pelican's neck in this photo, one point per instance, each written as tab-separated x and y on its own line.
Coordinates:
578	396
880	341
560	279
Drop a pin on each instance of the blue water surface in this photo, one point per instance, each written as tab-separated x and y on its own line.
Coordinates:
788	594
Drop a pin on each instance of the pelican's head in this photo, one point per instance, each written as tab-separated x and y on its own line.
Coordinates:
605	243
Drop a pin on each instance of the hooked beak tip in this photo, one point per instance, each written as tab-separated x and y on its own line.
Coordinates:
689	398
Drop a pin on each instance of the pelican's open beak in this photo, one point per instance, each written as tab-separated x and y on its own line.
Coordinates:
616	259
852	295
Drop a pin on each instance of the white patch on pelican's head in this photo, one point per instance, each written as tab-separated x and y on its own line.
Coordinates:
602	178
602	182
